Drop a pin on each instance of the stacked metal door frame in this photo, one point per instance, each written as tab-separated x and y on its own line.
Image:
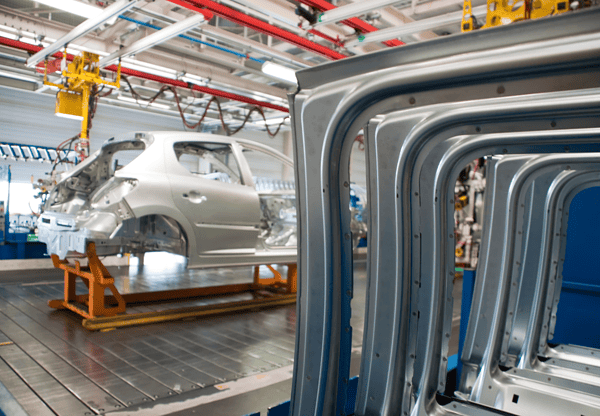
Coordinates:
532	385
459	98
431	207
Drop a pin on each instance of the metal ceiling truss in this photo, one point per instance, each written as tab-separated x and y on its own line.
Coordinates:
414	156
156	78
83	29
212	76
260	26
219	76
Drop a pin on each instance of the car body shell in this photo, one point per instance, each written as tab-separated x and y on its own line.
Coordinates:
155	204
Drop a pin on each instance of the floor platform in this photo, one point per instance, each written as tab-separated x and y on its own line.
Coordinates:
228	365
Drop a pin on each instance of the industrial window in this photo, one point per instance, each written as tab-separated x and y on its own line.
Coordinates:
213	161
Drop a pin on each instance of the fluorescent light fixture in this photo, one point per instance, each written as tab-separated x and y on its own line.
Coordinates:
134	101
350	10
154	39
8	29
9	35
194	79
73	7
96	17
281	72
274	121
71	116
149	68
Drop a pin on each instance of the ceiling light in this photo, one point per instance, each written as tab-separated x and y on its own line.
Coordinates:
275	121
70	116
9	35
73	7
134	101
194	79
278	71
149	68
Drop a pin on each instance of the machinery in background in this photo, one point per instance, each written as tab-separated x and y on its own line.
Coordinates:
468	213
17	237
76	98
503	12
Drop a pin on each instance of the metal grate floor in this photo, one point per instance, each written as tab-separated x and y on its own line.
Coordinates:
54	366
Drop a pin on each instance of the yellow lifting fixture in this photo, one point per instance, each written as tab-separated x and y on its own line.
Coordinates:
72	101
503	12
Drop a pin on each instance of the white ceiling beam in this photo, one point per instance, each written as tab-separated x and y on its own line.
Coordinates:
415	27
154	39
83	29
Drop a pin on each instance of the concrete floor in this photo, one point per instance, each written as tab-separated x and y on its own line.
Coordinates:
228	365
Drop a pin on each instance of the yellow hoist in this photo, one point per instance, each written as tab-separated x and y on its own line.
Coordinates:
72	101
503	12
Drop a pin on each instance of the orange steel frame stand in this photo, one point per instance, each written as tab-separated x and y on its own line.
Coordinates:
268	292
97	278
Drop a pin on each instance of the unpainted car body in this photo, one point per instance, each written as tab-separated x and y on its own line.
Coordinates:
191	194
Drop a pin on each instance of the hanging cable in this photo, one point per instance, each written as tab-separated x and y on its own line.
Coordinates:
228	130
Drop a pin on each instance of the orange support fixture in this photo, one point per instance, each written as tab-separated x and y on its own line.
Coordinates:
277	281
102	311
97	279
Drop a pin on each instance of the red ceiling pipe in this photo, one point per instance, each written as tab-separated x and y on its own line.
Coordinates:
260	26
205	12
354	23
163	80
